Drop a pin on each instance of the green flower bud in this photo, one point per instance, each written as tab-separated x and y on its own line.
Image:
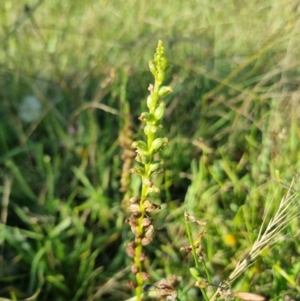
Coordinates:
154	166
151	101
157	144
160	77
145	116
139	145
196	274
159	111
148	118
152	67
165	90
163	64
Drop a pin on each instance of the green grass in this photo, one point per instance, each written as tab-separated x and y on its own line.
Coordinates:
232	122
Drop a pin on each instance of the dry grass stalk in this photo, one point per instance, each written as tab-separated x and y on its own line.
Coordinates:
288	210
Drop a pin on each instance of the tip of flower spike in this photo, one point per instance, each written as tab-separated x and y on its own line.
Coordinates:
160	45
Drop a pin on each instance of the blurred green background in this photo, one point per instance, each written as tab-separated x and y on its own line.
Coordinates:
74	78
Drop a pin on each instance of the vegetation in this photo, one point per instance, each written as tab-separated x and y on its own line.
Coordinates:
74	81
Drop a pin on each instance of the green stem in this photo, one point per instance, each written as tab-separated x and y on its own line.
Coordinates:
188	231
139	247
191	241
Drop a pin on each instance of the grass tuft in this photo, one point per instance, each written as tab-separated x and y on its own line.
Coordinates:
73	77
